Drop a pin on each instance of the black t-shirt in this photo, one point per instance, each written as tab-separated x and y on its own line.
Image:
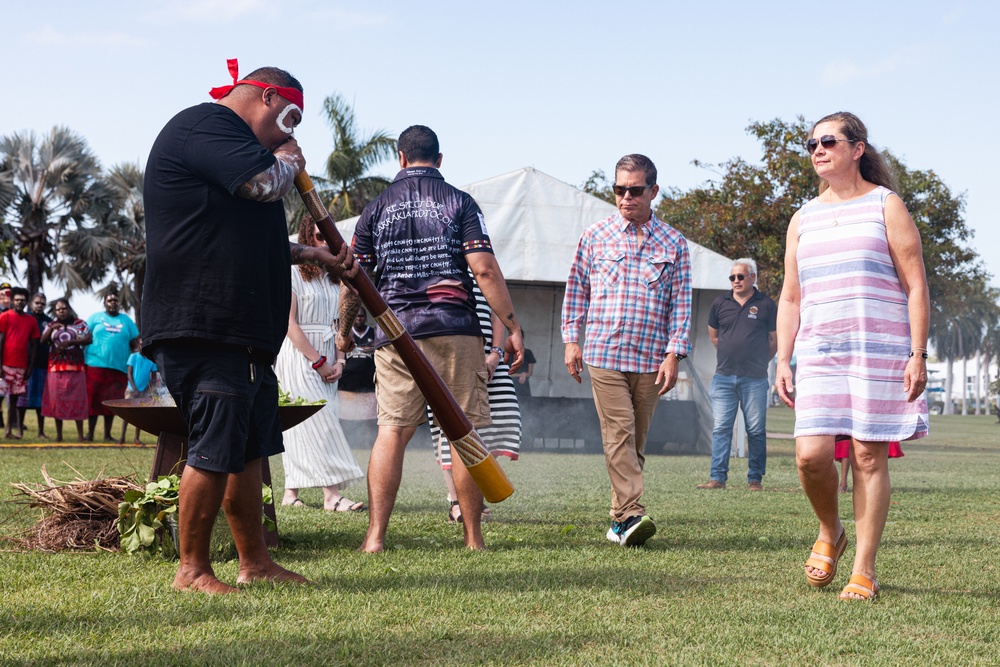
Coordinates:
41	351
359	369
743	334
217	265
415	236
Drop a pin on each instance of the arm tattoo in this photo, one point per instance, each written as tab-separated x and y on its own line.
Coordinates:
298	252
350	304
271	184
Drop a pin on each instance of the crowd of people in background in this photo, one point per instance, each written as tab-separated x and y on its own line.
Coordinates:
62	367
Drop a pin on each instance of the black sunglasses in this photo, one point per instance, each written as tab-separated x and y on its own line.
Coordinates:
738	276
635	190
827	140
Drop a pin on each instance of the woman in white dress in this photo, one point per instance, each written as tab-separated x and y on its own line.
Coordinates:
316	451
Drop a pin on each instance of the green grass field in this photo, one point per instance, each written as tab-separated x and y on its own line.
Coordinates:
721	583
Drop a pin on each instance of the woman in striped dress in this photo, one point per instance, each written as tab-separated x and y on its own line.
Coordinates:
855	308
503	436
308	365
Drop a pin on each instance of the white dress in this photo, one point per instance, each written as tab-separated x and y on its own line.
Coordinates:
316	451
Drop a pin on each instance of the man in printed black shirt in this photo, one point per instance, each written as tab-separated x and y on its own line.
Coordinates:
418	241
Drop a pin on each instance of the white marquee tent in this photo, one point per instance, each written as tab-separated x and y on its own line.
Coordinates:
535	222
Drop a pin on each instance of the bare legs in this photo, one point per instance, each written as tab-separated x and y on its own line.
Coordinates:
202	492
59	430
818	474
845	467
449	481
13	418
870	463
92	423
385	471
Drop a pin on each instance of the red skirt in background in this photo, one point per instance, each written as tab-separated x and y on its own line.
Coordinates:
843	448
65	396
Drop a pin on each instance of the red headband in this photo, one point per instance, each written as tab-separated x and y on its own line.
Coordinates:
293	95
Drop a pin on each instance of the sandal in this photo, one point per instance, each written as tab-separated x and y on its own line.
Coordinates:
295	503
344	505
452	518
860	585
825	555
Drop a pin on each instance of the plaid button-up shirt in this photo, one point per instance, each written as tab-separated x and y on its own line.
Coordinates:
635	300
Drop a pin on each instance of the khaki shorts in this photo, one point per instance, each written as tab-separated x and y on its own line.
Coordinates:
460	362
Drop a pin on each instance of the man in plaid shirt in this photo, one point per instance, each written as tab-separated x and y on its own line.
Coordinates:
630	284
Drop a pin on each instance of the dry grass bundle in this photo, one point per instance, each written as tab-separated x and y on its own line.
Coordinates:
78	515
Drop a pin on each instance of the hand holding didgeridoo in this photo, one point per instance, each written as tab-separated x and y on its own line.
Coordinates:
484	469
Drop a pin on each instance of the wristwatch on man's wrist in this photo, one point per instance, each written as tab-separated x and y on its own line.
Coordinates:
498	350
680	357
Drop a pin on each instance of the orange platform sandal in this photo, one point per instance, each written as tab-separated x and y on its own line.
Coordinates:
825	557
860	585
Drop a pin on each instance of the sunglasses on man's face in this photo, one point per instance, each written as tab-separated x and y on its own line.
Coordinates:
635	190
827	141
738	276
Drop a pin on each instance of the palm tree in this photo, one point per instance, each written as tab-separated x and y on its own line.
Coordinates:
117	244
51	186
347	185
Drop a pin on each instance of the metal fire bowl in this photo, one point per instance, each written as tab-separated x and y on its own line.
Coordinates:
152	417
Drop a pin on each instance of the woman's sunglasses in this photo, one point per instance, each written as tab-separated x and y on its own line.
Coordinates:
828	141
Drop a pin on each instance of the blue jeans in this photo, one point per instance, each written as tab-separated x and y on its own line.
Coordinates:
730	392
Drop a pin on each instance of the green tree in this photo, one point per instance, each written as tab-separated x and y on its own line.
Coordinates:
52	185
745	212
346	185
116	245
597	184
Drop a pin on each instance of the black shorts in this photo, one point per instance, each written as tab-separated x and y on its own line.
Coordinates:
228	395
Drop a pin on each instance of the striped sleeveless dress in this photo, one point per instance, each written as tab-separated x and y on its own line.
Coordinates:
853	340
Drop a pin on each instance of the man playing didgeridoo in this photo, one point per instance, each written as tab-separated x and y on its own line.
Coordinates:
418	240
216	300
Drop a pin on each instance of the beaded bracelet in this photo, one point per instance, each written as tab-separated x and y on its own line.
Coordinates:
319	362
923	355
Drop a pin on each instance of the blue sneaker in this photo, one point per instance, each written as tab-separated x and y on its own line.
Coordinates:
632	532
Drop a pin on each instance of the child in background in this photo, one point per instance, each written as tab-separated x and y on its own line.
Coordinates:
842	453
142	378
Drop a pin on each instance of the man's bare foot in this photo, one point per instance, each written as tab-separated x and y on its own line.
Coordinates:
371	547
842	488
269	572
202	583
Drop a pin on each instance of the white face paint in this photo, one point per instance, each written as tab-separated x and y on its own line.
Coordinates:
284	115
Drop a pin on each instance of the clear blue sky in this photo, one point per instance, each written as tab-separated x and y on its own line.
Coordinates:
566	87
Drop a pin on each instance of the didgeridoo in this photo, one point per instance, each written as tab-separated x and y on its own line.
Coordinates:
484	469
